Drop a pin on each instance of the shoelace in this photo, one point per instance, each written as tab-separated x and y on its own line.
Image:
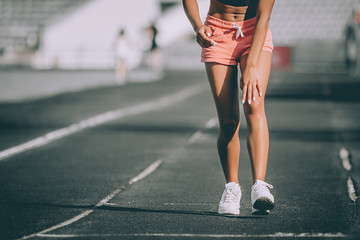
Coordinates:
238	30
231	196
262	185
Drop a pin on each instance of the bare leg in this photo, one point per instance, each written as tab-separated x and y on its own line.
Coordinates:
257	130
121	70
156	60
224	87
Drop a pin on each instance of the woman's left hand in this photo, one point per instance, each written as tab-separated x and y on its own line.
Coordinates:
250	85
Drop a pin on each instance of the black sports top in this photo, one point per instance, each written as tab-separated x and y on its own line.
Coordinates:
240	3
251	4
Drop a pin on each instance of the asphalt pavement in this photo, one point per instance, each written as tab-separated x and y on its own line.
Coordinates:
149	169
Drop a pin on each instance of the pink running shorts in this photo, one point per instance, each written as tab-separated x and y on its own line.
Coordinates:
228	49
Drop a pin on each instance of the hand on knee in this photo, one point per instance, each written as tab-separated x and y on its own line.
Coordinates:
254	109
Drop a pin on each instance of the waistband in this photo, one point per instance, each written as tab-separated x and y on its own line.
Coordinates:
210	20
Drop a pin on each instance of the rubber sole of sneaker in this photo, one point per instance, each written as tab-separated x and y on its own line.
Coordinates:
229	213
263	204
260	212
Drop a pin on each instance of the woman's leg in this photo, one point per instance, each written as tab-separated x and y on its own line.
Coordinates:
121	69
224	87
257	129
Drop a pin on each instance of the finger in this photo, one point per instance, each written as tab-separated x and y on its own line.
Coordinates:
258	86
254	89
203	35
203	43
249	93
208	32
207	40
241	83
244	93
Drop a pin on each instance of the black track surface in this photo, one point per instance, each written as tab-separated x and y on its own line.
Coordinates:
310	117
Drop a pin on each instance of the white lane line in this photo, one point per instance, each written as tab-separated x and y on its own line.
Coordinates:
198	134
60	225
192	235
147	171
150	169
351	189
211	123
344	155
195	136
110	196
101	119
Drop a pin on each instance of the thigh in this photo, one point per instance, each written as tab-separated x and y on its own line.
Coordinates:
263	67
224	87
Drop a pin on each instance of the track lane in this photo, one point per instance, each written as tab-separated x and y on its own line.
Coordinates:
181	197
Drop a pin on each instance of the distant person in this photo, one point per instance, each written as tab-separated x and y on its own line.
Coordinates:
122	51
155	53
236	33
351	29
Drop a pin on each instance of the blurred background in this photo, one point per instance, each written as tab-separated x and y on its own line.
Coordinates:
310	35
147	98
136	41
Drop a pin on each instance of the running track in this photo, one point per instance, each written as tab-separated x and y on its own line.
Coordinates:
140	162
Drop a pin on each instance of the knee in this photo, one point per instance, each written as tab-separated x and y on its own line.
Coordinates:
229	126
254	110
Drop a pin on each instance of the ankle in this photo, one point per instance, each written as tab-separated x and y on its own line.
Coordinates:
258	179
234	181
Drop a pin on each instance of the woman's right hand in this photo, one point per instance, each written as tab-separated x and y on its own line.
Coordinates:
203	34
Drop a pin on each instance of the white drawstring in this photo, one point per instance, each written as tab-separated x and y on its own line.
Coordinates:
238	30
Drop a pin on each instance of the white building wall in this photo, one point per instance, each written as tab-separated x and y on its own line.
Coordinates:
174	26
313	28
84	38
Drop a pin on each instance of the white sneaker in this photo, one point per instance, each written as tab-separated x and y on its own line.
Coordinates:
230	199
261	199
